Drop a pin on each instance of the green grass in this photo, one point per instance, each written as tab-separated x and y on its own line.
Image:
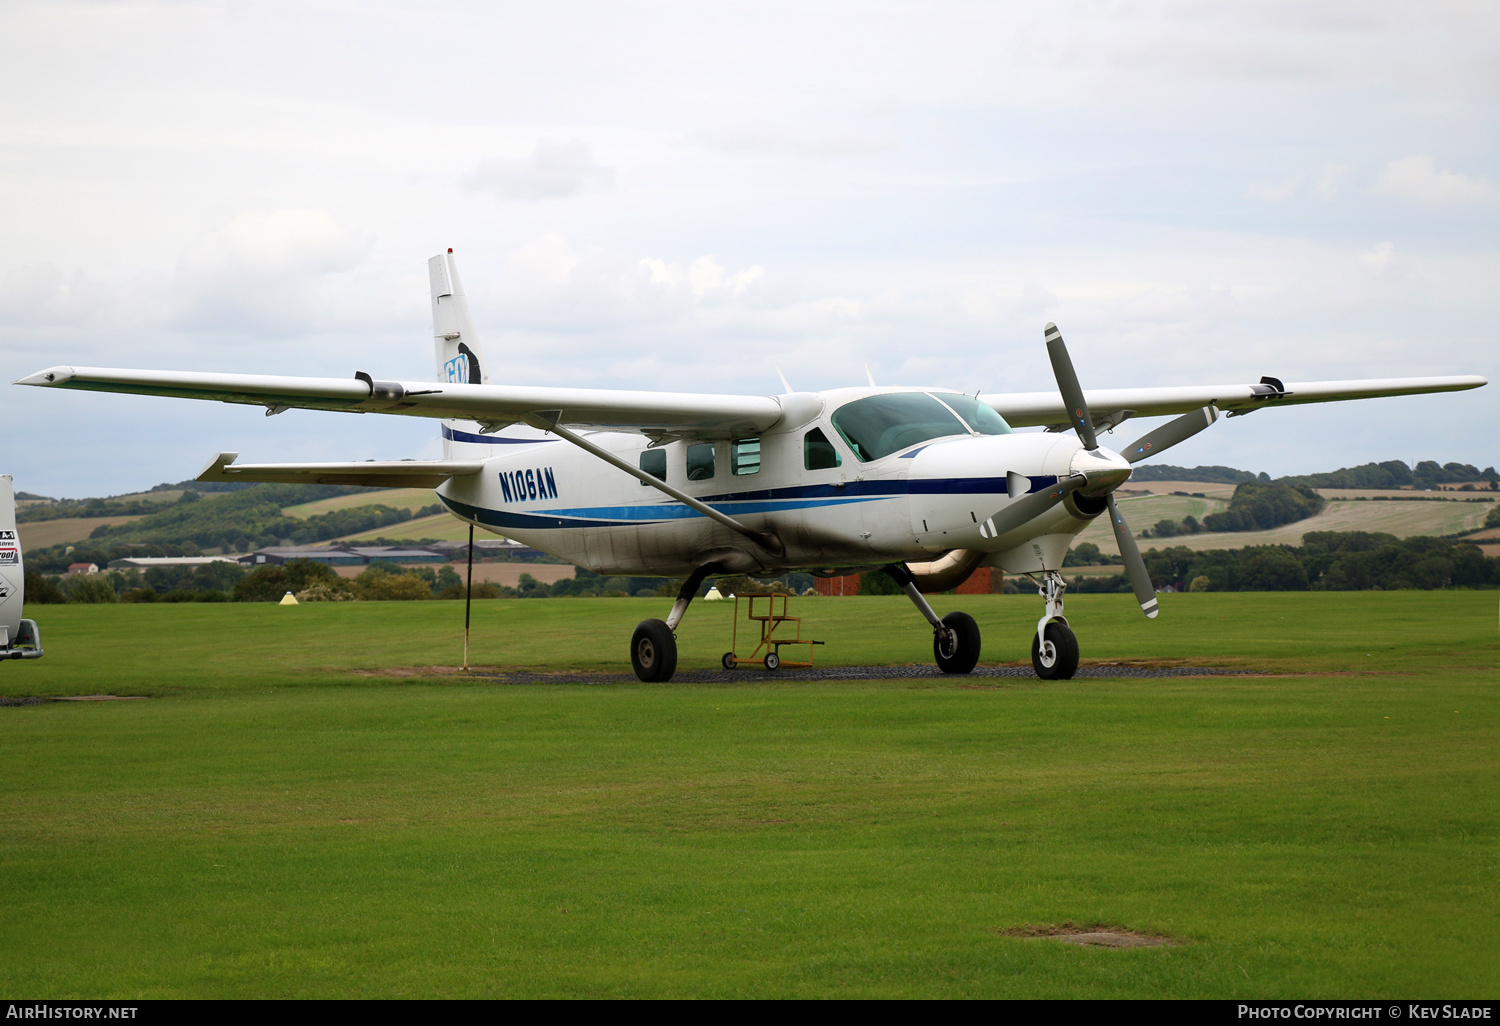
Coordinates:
439	527
395	498
276	825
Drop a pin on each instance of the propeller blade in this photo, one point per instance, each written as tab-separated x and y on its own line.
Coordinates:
1170	433
1032	506
1067	384
1135	566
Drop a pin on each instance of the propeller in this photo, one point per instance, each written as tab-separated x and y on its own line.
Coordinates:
1170	433
1030	507
1083	423
1067	384
1135	566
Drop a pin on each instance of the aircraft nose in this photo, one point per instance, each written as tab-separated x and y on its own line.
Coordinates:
1105	469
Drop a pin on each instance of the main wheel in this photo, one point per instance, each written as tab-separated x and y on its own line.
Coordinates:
728	661
653	651
957	648
1057	658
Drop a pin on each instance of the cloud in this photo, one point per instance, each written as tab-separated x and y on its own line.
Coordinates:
1269	193
764	137
1418	178
553	169
263	270
1328	184
1379	257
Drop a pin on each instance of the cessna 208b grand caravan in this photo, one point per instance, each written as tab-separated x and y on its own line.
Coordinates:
927	484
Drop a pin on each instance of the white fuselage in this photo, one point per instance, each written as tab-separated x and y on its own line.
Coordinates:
913	504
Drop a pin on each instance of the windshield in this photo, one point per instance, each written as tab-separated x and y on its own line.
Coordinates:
979	415
882	424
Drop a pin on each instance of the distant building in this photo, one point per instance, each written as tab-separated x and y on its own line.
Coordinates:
397	554
848	584
83	568
147	562
276	555
983	581
485	548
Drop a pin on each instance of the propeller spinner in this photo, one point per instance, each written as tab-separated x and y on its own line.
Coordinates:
1102	473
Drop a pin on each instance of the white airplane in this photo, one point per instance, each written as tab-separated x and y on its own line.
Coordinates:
927	484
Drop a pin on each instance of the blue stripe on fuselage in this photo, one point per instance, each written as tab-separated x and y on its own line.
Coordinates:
770	500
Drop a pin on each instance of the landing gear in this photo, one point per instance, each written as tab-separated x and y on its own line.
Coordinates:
1054	647
653	651
1056	656
957	648
653	647
955	638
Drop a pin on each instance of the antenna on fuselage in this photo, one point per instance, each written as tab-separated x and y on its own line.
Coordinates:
870	377
784	382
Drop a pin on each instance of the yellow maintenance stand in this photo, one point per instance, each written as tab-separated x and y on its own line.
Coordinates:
770	621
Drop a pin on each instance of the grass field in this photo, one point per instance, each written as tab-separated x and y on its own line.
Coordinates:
287	818
42	533
1403	519
396	498
440	527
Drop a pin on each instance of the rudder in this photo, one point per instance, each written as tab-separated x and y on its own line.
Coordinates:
459	358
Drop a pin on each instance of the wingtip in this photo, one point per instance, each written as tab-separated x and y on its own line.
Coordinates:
50	376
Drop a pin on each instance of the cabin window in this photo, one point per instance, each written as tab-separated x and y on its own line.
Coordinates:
979	415
700	461
654	462
882	424
744	457
818	452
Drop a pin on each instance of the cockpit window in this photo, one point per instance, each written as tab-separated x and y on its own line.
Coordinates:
882	424
979	415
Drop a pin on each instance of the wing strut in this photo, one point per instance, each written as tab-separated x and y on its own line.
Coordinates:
769	542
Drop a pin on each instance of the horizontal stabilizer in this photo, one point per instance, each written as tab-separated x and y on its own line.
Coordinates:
372	473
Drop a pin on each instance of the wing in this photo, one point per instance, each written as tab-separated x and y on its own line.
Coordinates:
371	473
491	405
1030	409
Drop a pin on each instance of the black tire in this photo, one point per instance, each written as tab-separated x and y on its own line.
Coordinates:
958	652
653	651
728	661
1064	653
772	660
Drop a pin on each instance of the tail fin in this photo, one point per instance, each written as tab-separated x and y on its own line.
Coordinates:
458	354
461	361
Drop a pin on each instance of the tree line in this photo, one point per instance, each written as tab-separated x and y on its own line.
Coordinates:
1325	561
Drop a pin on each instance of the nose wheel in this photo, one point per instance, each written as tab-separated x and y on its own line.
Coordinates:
1054	647
1054	656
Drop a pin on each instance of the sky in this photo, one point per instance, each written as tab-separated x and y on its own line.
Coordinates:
687	196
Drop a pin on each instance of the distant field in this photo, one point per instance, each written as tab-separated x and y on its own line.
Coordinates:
1208	488
289	817
441	527
42	533
396	498
1403	519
